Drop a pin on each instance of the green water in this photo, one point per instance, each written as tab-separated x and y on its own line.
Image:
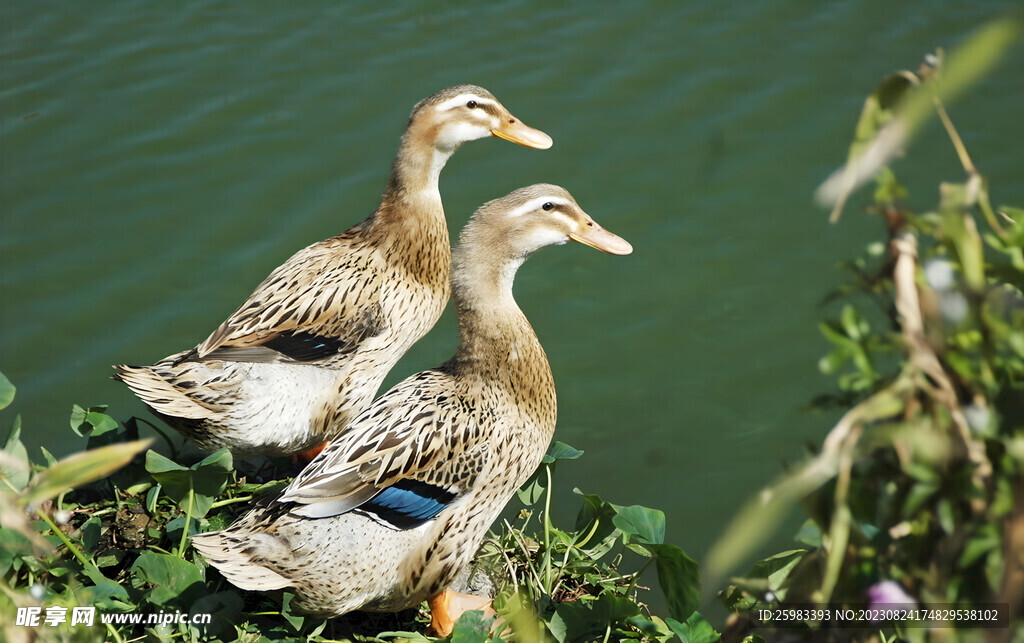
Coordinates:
159	159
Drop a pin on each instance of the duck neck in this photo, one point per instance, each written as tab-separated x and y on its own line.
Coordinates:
417	168
491	325
410	222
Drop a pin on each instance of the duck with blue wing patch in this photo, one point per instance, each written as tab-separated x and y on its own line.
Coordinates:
389	513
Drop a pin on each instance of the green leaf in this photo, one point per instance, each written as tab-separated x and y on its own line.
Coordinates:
173	578
101	422
611	608
679	578
210	478
472	627
533	489
112	557
809	534
92	421
777	568
833	361
48	457
696	629
13	544
648	524
107	594
595	510
91	531
561	451
158	464
558	627
7	391
995	568
206	479
81	468
853	324
224	608
151	497
173	528
654	628
286	611
944	512
573	622
919	493
985	541
15	467
77	419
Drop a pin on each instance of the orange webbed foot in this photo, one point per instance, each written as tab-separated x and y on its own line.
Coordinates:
308	455
447	606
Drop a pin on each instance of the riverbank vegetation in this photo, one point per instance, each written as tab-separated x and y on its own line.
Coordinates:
121	545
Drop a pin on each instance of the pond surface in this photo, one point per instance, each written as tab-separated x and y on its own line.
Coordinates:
159	159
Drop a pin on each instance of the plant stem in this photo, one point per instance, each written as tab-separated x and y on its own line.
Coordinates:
174	451
113	633
965	159
547	533
64	539
637	575
188	519
230	501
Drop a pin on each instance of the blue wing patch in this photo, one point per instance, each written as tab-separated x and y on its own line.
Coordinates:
407	504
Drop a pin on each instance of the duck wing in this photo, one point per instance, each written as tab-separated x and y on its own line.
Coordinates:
321	302
404	459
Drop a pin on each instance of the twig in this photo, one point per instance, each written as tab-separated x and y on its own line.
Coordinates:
839	530
511	568
924	359
526	552
975	177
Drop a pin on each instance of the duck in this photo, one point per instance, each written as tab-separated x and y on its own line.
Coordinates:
396	506
310	347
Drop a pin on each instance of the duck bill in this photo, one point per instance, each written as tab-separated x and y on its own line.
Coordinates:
597	237
516	131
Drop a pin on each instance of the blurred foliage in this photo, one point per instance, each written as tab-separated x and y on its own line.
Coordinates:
921	483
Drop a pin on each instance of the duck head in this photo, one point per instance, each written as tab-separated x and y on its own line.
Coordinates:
536	216
466	113
503	233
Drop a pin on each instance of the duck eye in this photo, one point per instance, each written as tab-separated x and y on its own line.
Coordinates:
471	104
547	206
